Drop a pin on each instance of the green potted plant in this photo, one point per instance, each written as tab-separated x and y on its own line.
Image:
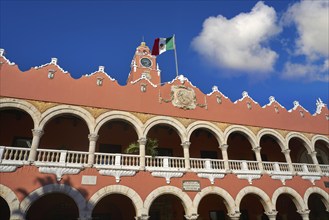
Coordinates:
151	147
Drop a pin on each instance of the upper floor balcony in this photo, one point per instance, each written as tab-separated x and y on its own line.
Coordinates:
64	139
61	162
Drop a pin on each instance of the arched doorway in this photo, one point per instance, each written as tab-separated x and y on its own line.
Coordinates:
317	208
239	147
166	207
286	208
114	207
168	140
298	152
65	132
251	208
115	136
271	150
15	128
204	145
53	206
322	151
212	207
4	209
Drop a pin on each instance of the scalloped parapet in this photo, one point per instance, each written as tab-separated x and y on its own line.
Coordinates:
177	98
101	69
2	55
52	62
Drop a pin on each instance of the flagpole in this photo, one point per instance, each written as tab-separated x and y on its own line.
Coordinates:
175	55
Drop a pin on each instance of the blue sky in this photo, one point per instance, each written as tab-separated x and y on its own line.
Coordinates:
270	48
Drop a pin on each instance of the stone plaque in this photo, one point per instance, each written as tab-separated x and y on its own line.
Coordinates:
89	180
183	97
191	185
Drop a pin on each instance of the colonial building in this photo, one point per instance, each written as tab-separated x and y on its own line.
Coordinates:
63	142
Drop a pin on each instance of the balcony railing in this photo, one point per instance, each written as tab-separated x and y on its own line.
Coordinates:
117	161
14	155
62	158
164	163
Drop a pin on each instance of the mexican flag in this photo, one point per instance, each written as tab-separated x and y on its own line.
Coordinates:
162	45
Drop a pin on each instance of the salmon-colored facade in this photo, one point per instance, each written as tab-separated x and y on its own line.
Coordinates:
63	148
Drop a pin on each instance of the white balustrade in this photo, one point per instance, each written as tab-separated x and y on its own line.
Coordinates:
76	157
116	160
10	155
50	157
104	159
305	168
243	165
207	164
275	167
325	169
165	162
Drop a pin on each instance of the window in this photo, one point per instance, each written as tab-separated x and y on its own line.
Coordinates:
22	142
217	215
165	152
209	154
110	148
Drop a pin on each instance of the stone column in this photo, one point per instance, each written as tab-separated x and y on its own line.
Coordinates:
234	216
271	215
37	134
142	143
259	158
315	160
92	146
186	149
286	153
142	217
223	148
304	214
191	217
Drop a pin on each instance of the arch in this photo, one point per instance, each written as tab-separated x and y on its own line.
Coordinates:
186	201
125	116
181	131
318	137
67	109
117	189
22	105
53	188
324	196
265	199
228	199
206	125
306	142
277	136
241	129
296	198
10	197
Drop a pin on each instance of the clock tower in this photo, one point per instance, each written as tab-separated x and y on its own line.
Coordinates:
144	65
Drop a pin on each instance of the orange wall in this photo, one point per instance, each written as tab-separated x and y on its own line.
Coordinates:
35	85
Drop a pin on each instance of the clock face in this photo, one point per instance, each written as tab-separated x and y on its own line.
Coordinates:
146	62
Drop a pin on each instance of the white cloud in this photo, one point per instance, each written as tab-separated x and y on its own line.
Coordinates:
312	22
240	43
309	72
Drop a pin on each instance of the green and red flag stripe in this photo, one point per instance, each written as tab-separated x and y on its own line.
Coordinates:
161	45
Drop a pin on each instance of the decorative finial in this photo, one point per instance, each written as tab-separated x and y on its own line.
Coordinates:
54	60
215	89
2	52
101	69
143	44
244	94
272	99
